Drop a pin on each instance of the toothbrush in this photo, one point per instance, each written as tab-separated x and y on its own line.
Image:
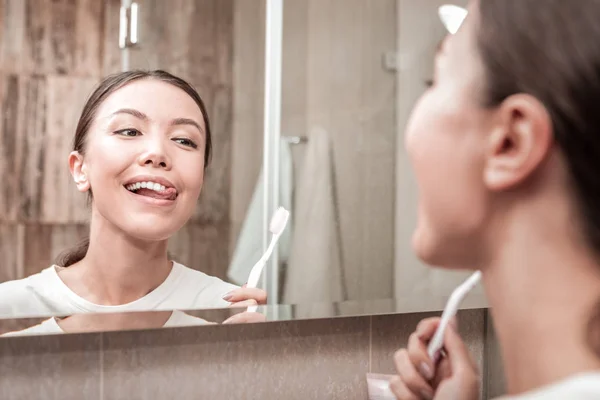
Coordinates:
278	222
436	343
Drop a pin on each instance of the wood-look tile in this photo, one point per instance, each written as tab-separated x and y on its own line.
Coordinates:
46	242
12	35
23	130
194	40
202	247
11	249
54	37
39	114
9	146
111	54
214	202
31	132
181	36
323	359
61	202
391	332
51	367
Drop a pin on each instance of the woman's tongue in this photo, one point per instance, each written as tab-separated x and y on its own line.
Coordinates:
167	194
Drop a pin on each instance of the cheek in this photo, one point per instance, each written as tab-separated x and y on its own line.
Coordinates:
443	148
191	172
107	159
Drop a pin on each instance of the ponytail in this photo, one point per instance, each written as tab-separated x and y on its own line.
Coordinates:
74	254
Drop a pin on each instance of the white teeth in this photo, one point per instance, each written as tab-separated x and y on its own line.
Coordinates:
146	185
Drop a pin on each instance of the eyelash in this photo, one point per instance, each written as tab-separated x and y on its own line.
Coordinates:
189	143
181	141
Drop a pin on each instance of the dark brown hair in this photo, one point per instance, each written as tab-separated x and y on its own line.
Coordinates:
549	49
108	86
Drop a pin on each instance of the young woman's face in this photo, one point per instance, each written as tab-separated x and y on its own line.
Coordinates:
445	141
144	159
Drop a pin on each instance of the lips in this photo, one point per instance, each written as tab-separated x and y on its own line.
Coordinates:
152	187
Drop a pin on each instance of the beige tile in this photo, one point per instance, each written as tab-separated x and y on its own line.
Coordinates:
320	359
50	367
391	332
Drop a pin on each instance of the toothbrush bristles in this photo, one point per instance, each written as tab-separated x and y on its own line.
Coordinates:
279	221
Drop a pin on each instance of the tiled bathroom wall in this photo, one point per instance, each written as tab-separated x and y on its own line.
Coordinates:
313	359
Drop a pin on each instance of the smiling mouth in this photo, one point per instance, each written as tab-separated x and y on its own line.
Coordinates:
153	190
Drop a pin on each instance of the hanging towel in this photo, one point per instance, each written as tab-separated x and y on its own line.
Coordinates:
314	271
248	249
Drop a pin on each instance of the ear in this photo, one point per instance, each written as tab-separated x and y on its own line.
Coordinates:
79	171
520	141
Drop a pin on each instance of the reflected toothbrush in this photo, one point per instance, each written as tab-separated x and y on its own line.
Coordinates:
437	342
276	227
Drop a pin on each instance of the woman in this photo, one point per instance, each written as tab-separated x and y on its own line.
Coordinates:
141	146
505	146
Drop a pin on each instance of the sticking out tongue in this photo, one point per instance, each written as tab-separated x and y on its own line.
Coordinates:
167	194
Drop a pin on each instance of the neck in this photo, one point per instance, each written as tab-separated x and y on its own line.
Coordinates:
117	268
542	286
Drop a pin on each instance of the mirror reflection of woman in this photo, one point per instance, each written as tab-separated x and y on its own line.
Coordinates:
141	147
505	146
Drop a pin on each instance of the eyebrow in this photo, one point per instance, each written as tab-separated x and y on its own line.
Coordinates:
140	115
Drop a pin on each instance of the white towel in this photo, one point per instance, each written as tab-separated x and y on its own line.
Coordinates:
248	248
314	270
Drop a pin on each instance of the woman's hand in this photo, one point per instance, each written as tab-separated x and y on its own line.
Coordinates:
246	318
454	378
245	297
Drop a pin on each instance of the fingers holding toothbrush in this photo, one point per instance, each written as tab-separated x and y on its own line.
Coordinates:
246	318
245	296
454	377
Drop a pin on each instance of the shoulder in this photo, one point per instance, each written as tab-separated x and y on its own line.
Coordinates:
202	279
208	291
29	296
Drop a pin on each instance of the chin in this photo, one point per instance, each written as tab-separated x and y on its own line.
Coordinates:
437	252
150	232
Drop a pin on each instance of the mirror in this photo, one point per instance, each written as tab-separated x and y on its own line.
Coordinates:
329	129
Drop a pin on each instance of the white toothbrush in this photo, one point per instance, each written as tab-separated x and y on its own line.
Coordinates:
436	343
278	222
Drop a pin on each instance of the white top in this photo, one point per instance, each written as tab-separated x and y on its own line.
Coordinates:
51	327
584	386
45	294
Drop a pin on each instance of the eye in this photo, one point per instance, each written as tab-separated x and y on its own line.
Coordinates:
429	83
128	132
186	142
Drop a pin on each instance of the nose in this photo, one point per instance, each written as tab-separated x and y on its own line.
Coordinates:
155	156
